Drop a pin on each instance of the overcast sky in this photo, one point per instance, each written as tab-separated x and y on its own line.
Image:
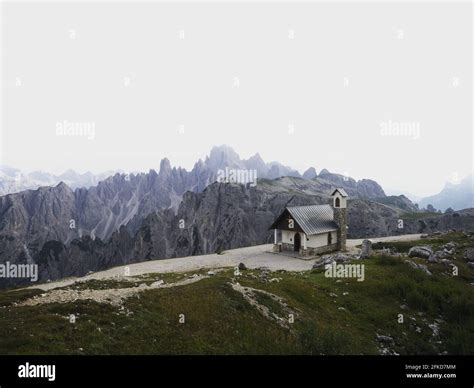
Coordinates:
323	85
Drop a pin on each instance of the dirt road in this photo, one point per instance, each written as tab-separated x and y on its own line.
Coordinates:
252	257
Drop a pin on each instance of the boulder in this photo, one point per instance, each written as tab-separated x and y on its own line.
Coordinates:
318	264
384	338
420	251
412	264
366	249
242	267
424	268
446	262
437	256
432	259
469	254
450	245
338	257
328	260
421	267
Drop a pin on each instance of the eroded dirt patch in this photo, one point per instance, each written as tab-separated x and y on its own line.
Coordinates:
112	296
275	308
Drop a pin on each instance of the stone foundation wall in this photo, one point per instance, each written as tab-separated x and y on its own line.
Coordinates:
287	247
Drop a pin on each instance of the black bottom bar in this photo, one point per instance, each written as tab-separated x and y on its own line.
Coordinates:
137	371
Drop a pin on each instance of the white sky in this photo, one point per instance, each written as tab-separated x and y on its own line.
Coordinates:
348	69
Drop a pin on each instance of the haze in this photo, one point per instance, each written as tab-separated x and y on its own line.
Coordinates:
380	91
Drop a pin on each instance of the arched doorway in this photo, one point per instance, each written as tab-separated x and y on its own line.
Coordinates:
338	202
297	244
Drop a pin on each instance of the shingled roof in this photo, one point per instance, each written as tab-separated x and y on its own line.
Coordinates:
341	191
313	219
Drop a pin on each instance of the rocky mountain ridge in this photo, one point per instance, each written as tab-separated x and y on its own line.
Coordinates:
223	216
59	213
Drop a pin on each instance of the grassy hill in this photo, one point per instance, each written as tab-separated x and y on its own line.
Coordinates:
252	313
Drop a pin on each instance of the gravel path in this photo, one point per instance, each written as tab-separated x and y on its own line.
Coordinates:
351	244
252	257
114	297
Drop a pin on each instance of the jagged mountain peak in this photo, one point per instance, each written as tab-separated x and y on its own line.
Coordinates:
222	156
165	166
61	185
310	173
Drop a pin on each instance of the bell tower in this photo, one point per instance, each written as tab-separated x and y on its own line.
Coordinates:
339	205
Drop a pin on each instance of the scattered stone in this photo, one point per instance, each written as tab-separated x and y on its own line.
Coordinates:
242	266
384	339
412	264
424	268
435	328
275	280
112	296
469	254
446	262
421	267
437	256
328	260
250	293
449	247
338	257
432	260
420	251
318	264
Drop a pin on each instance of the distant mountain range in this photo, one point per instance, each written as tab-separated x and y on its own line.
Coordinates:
175	212
13	180
455	196
124	199
223	157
